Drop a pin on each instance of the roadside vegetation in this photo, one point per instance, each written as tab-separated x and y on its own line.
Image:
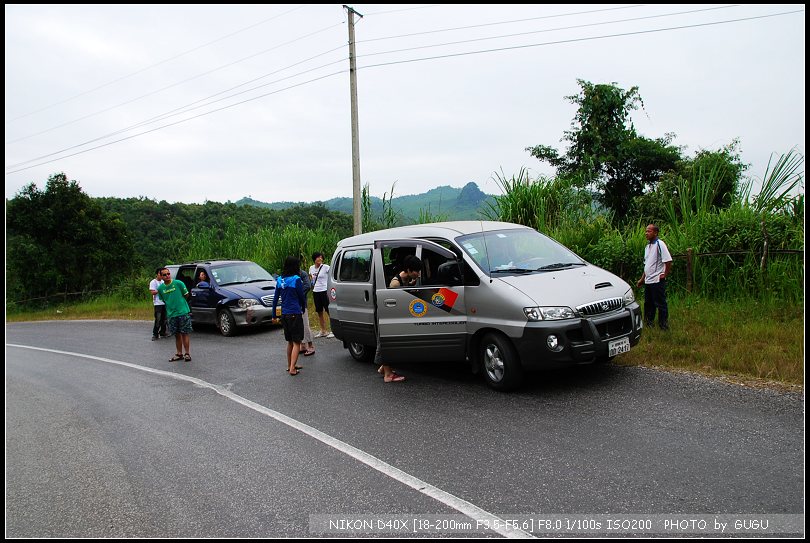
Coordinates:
736	293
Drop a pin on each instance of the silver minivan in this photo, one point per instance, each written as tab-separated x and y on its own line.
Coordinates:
502	296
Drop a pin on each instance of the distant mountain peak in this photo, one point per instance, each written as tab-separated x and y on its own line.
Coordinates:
471	194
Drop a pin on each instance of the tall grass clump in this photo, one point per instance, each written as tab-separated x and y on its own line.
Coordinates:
389	216
268	247
542	203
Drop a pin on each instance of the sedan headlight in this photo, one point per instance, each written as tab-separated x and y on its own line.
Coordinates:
629	297
548	313
247	302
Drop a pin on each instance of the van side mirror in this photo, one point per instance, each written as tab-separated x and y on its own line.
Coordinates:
203	284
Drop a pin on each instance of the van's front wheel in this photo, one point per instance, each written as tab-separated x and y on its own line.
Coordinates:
362	353
499	360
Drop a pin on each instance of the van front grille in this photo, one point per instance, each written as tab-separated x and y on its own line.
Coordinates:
602	306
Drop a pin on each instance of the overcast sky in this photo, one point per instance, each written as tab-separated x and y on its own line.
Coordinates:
446	94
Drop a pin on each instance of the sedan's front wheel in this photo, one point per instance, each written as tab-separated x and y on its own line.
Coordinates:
226	323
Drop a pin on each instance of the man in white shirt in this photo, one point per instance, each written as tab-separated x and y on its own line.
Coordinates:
159	329
657	265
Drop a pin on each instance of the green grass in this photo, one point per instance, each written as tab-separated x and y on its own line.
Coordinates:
746	341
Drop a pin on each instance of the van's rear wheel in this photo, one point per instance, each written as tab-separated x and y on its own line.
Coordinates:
499	360
362	353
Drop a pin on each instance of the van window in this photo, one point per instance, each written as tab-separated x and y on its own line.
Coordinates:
355	266
393	257
470	277
438	270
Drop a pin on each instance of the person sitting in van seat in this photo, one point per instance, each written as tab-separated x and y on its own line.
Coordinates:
412	268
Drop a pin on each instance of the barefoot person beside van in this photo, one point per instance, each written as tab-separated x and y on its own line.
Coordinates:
412	268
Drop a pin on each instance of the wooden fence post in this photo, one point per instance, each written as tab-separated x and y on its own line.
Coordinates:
764	262
689	270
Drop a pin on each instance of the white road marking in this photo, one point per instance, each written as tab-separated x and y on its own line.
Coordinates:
466	508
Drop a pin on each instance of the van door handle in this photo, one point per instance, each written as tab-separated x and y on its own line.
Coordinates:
365	294
390	302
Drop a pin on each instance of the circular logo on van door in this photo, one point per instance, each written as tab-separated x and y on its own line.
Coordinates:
437	300
418	308
333	294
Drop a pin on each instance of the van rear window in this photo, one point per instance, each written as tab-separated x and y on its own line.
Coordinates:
355	266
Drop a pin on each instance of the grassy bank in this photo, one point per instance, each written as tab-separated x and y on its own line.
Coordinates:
744	341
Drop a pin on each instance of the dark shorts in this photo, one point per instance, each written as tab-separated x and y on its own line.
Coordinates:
180	325
293	327
321	301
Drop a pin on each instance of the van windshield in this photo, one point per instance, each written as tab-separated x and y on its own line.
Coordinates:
517	251
241	272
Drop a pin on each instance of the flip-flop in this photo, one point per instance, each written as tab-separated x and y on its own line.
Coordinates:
175	358
309	353
395	379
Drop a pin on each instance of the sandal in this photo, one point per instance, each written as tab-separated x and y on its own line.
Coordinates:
175	358
309	352
296	367
187	357
395	378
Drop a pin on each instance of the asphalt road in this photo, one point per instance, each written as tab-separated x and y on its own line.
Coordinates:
230	445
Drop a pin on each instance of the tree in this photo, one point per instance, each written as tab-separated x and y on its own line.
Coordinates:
60	241
605	153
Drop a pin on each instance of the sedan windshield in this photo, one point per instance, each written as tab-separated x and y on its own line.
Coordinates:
241	272
517	252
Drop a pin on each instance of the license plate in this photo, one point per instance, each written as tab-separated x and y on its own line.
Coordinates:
619	346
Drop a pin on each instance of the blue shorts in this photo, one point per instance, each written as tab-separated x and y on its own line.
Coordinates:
180	325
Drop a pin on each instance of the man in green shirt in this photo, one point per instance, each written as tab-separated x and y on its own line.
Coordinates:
174	294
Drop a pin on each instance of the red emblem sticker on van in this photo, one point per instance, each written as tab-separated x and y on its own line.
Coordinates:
447	297
333	294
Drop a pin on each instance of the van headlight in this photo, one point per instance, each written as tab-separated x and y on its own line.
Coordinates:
629	297
247	302
548	313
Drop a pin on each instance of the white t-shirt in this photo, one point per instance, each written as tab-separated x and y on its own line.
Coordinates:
655	254
153	285
319	284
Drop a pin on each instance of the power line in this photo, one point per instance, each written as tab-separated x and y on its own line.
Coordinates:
365	55
154	65
500	23
180	121
585	25
187	108
573	40
170	86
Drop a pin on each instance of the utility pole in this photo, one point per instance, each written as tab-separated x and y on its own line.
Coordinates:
355	130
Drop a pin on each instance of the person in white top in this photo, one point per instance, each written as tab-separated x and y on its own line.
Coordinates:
159	328
319	272
657	265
